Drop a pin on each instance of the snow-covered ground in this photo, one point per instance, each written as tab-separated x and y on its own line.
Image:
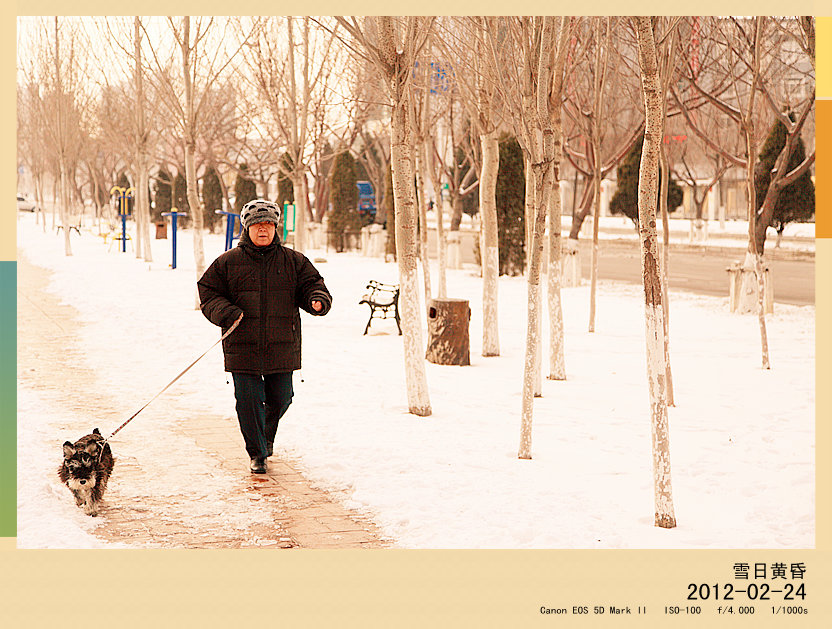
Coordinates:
742	439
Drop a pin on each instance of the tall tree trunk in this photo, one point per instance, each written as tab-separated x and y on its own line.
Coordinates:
456	211
654	327
64	184
754	257
665	171
557	360
39	196
298	112
596	224
65	208
142	196
666	75
441	242
583	209
599	78
531	214
301	211
531	366
400	146
190	143
134	187
490	251
423	219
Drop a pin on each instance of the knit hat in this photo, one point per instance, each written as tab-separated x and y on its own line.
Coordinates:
259	211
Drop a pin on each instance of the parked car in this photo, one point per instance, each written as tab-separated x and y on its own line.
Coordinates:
25	205
366	201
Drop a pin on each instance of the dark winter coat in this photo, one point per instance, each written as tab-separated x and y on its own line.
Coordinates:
268	284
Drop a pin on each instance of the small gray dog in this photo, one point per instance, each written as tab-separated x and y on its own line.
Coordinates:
86	469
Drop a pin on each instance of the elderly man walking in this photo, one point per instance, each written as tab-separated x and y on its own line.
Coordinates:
262	284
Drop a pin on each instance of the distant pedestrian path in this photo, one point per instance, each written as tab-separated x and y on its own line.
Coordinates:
168	508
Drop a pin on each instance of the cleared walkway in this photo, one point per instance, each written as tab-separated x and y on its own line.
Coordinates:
297	514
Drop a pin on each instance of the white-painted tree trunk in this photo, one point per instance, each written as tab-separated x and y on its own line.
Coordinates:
423	220
65	208
557	360
141	195
531	213
665	268
442	245
489	250
654	314
531	365
400	145
753	258
190	167
301	210
593	272
570	275
61	137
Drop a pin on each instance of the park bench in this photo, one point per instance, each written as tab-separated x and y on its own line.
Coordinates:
71	228
383	300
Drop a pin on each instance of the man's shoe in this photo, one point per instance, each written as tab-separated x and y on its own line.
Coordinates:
258	465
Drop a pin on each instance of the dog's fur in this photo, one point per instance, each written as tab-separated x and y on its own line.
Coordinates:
86	470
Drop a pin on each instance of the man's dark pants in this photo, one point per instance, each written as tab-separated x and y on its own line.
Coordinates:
261	402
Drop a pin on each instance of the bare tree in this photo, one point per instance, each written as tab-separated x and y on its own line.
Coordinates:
142	150
393	55
654	313
542	49
61	103
204	59
470	45
750	58
31	142
293	75
603	39
419	112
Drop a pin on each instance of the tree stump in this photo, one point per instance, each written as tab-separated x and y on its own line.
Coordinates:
448	342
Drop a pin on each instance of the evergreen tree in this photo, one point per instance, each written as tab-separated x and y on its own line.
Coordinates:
796	202
245	189
625	199
162	194
211	199
344	219
510	196
180	198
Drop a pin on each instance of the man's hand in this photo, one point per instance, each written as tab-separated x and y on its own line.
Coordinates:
316	305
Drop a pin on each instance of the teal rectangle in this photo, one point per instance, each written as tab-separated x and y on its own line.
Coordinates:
8	399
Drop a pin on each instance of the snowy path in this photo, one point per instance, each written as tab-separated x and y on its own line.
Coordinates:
742	438
166	491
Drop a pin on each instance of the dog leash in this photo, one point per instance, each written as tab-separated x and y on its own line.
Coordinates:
182	373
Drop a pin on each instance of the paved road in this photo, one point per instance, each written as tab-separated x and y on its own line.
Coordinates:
697	269
703	271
